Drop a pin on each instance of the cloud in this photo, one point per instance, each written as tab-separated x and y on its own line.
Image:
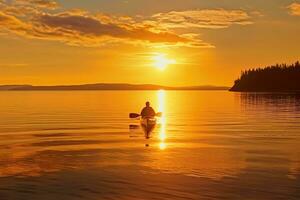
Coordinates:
48	4
214	19
77	27
34	19
12	24
80	28
294	9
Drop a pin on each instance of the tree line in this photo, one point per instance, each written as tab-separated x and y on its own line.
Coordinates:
275	78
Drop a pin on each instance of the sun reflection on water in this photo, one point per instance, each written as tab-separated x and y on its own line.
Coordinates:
162	120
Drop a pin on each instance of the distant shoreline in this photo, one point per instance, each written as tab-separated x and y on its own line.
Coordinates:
107	87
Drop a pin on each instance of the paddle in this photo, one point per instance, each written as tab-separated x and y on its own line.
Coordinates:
135	115
159	114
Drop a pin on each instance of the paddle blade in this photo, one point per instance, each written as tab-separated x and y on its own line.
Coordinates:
133	115
159	114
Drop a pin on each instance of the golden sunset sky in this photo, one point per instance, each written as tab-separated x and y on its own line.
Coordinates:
167	42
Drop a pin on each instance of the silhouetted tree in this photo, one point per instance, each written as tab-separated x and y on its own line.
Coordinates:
276	78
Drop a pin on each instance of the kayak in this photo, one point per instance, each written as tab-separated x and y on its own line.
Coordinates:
148	124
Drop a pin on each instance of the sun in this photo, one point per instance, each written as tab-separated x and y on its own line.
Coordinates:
161	61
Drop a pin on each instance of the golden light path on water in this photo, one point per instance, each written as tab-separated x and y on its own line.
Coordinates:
161	94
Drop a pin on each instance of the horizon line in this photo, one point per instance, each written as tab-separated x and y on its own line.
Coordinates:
107	86
110	83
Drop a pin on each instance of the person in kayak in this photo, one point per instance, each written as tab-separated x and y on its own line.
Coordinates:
148	111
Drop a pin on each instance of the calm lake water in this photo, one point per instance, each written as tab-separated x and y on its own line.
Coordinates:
208	145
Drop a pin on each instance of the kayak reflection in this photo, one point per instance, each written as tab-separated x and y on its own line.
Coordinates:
148	125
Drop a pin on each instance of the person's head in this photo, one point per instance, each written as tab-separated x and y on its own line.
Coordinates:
147	103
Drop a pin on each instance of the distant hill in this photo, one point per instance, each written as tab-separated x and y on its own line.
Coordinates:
277	78
12	87
106	86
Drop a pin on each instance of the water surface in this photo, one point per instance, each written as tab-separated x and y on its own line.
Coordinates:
207	145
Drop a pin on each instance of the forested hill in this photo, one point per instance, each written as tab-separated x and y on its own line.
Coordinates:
277	78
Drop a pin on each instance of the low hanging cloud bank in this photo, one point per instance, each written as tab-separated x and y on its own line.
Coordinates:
44	19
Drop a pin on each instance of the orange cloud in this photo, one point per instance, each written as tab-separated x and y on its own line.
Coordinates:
294	9
214	19
48	4
12	24
77	27
31	18
88	28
